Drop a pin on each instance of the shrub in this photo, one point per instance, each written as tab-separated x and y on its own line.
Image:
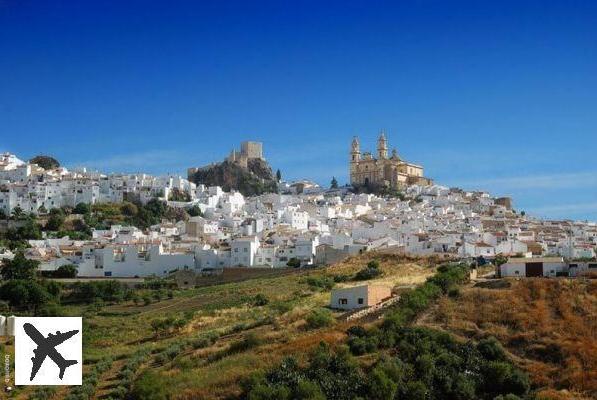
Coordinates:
367	273
320	282
294	262
341	278
319	318
282	306
82	208
491	349
260	300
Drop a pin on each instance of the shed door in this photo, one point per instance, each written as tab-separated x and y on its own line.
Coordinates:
534	269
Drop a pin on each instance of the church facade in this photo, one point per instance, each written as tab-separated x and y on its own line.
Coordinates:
383	170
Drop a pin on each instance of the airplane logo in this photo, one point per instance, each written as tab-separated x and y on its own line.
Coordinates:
46	347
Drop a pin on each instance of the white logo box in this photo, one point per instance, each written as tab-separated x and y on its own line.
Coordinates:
49	331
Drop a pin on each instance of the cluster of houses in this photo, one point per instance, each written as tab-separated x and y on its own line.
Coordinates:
302	225
33	189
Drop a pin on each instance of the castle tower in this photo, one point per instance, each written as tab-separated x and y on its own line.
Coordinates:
382	146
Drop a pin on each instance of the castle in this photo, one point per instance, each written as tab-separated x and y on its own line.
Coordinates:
383	171
248	151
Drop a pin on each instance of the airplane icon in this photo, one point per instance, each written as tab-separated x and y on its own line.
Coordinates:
46	347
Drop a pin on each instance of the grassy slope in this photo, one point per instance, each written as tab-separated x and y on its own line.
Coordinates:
548	325
120	330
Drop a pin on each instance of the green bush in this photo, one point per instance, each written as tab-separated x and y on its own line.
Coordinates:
294	262
260	300
320	282
367	273
319	318
282	307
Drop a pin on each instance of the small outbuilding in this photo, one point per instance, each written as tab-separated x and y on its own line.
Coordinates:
532	267
355	297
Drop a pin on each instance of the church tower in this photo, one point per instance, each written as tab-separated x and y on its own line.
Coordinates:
355	150
382	147
355	157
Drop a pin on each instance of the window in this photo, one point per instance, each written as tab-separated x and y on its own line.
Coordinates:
342	301
360	301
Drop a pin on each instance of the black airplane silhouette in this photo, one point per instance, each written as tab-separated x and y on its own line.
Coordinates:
46	347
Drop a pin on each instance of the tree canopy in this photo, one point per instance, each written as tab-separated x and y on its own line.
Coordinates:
46	162
19	268
334	183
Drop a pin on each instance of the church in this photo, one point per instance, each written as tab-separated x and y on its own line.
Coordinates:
393	172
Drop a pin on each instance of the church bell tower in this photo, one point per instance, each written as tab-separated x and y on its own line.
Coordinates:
355	157
382	147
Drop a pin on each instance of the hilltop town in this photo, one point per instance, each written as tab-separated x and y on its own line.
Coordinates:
218	291
207	229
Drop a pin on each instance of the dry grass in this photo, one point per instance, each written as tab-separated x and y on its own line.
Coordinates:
223	307
549	325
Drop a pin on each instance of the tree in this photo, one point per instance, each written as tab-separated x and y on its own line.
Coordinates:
46	162
42	210
17	213
294	262
500	259
82	208
66	271
334	184
19	268
129	209
278	175
55	220
195	211
176	214
308	390
380	386
179	195
25	293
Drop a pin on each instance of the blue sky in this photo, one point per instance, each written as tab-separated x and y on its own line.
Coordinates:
500	96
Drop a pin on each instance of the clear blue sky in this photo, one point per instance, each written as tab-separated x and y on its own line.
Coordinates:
492	95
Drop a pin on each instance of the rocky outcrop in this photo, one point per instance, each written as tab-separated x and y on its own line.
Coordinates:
257	178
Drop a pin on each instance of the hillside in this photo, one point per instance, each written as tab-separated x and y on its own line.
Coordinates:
548	325
256	179
205	343
208	343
